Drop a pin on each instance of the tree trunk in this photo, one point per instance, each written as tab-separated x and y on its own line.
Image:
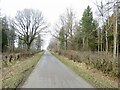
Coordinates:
66	42
106	37
117	49
106	33
87	42
66	45
28	47
115	38
83	42
98	42
101	41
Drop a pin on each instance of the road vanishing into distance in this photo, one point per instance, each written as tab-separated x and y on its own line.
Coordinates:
51	73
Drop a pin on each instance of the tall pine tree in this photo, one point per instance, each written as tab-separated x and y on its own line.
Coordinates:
88	26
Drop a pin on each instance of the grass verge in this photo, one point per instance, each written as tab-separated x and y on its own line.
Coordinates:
93	76
13	75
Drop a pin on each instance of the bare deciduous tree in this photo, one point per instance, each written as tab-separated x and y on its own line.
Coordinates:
115	32
67	23
28	24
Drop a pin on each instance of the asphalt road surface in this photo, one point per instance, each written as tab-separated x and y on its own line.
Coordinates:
51	73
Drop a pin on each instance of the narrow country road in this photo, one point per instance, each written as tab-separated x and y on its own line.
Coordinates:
51	73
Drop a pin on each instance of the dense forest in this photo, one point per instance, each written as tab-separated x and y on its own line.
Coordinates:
95	41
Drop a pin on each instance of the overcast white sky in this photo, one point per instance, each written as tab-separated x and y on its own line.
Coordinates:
51	9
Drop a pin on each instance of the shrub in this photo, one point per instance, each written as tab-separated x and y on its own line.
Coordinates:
101	61
8	58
